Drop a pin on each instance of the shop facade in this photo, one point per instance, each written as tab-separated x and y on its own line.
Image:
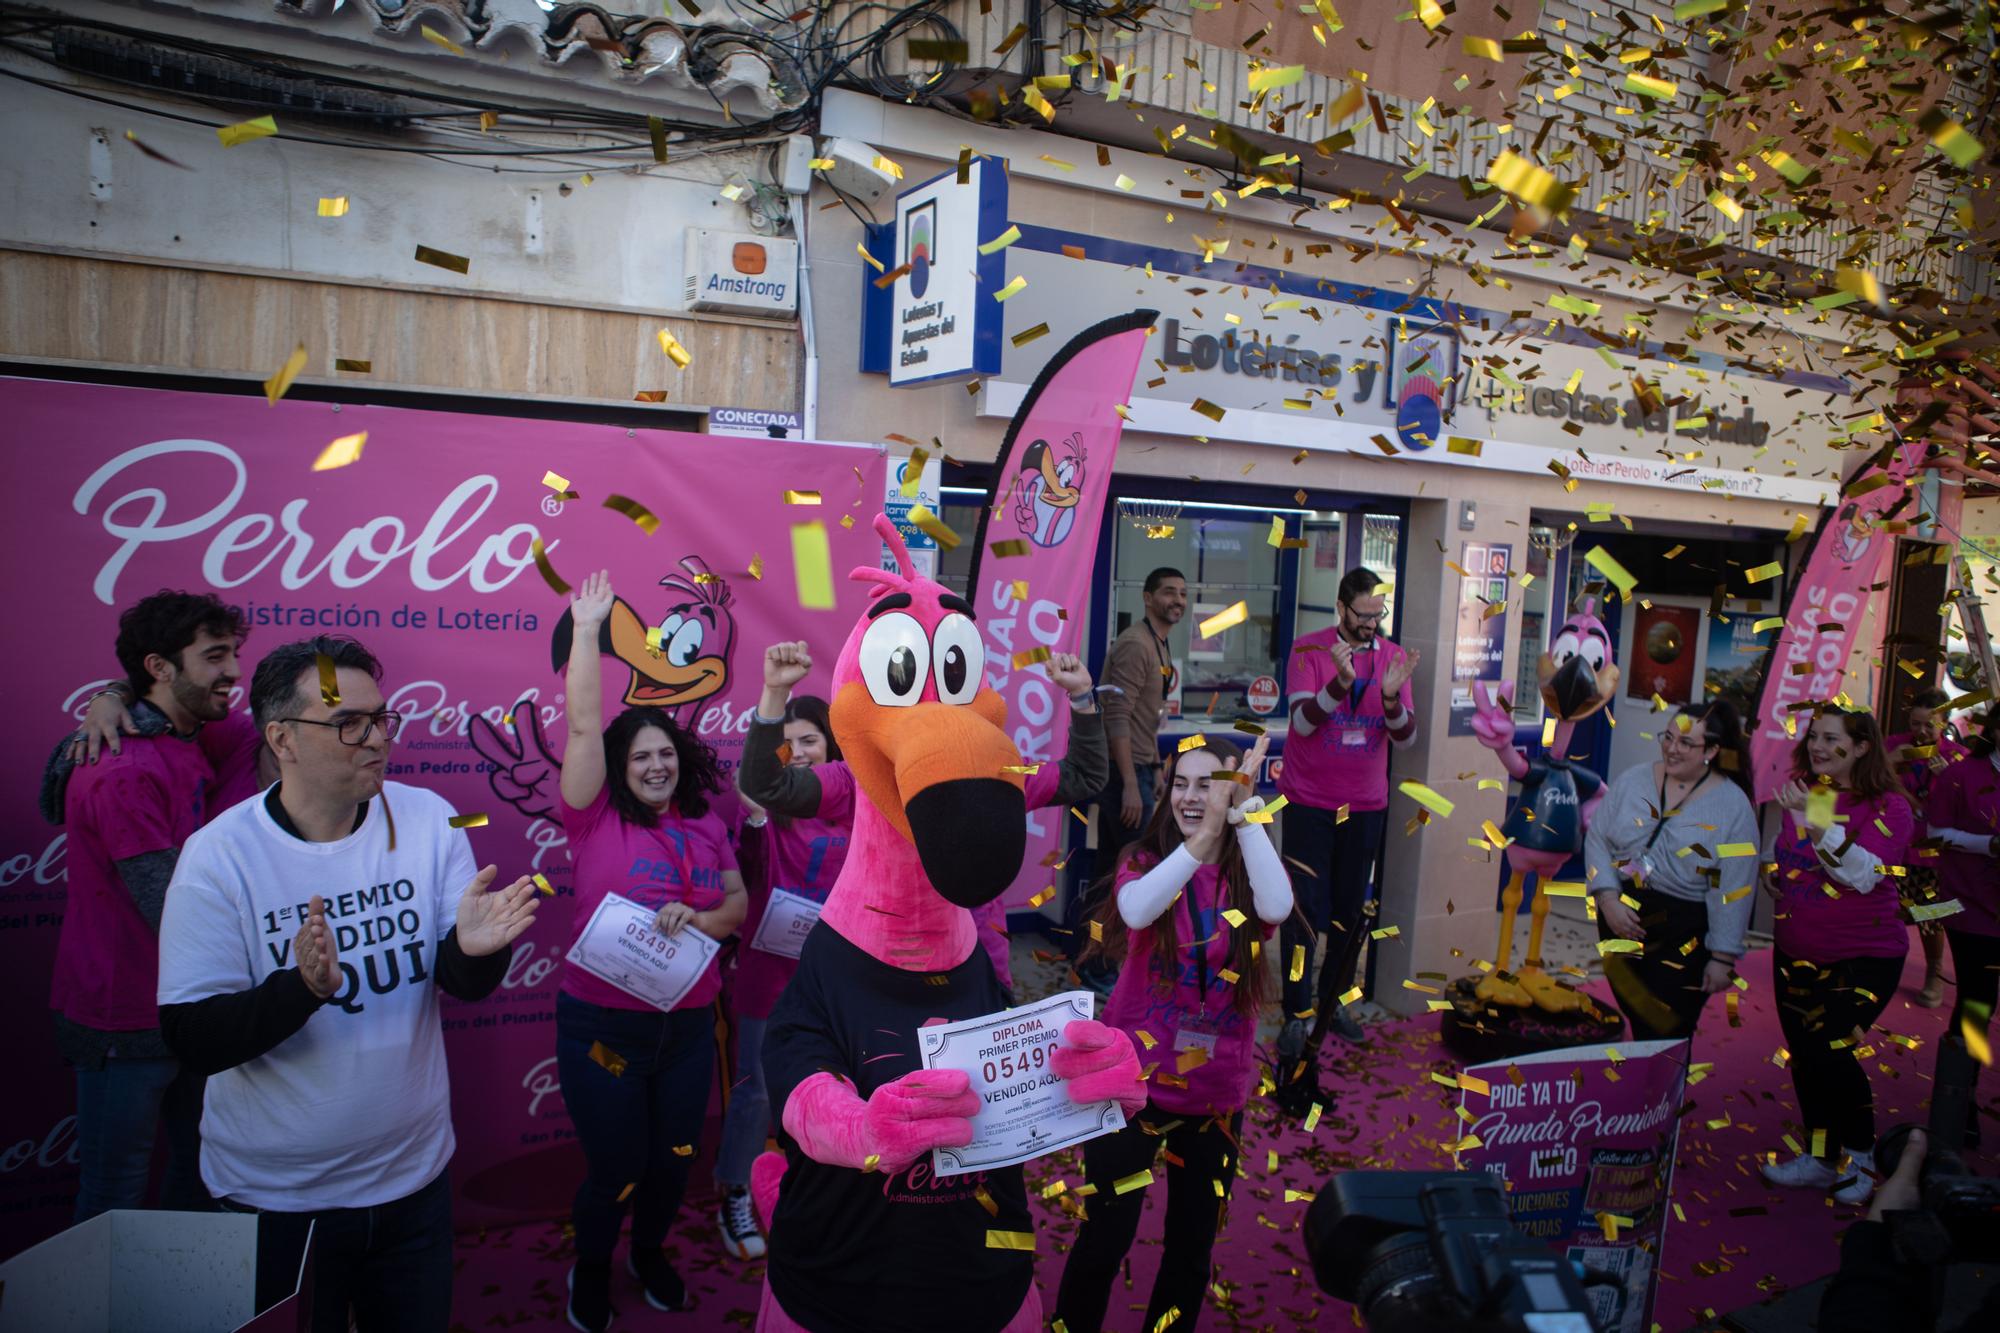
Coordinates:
1447	425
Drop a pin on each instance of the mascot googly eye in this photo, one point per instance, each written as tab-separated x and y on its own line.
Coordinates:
960	658
895	660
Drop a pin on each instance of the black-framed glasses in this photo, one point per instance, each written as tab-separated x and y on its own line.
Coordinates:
1374	619
356	728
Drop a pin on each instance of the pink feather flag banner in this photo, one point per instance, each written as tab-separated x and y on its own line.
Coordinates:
1036	546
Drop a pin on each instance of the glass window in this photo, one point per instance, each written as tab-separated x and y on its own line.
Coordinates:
955	565
1534	624
1320	566
1381	547
1225	560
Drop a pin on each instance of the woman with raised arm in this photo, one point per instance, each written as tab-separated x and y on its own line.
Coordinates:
636	807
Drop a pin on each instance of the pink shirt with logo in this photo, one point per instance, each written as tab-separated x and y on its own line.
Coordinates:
805	857
1182	1016
149	797
1345	761
1966	797
648	866
1819	919
1918	774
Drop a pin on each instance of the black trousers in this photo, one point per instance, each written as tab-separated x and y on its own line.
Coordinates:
1331	863
1820	1004
1659	990
1207	1152
1975	965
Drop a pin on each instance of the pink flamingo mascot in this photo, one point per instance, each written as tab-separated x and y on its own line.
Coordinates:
863	1235
1557	800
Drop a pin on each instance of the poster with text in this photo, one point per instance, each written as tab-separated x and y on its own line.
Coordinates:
1583	1140
423	550
1479	649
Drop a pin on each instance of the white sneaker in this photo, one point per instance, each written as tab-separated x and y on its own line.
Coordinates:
1857	1186
738	1222
1802	1172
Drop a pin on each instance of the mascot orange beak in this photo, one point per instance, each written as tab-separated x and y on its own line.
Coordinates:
937	773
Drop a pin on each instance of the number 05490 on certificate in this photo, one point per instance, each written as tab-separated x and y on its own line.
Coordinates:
1025	1111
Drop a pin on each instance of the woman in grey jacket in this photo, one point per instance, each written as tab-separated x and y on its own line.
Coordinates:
1671	856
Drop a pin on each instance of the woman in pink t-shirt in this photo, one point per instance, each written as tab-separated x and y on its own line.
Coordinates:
1194	906
1963	816
1847	830
636	807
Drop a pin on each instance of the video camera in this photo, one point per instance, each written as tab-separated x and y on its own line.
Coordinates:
1417	1251
1958	1219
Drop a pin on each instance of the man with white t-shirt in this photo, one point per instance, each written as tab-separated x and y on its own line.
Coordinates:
305	938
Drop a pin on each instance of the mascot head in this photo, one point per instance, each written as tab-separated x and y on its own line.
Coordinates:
926	736
1577	674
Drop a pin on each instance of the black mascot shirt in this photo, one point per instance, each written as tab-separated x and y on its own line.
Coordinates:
1549	816
861	1252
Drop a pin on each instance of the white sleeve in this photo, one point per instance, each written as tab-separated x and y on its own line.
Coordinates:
1142	901
1962	839
202	933
1270	886
1857	868
456	869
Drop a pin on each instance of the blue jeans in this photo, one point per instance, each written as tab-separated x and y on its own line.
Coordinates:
390	1264
747	1123
119	1112
630	1123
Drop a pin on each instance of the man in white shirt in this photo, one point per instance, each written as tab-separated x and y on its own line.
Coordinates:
305	937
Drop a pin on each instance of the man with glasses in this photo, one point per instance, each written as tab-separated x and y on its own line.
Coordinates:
305	939
1349	688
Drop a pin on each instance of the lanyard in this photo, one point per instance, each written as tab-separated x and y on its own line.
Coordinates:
1663	812
1166	661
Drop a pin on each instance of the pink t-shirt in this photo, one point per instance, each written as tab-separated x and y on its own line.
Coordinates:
1918	774
1819	926
1345	761
1967	796
1182	1016
805	857
147	798
645	865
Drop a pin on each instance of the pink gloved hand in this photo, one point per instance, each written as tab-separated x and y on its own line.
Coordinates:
1099	1063
903	1120
1493	724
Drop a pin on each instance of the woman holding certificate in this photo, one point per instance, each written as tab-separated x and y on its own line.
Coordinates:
653	865
1198	895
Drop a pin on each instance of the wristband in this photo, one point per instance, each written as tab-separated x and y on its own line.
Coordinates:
756	823
1083	699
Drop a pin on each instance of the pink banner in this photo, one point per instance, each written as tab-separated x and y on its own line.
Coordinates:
421	550
1823	615
1583	1143
1049	494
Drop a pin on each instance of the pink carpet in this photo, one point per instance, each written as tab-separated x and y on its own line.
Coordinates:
1741	1242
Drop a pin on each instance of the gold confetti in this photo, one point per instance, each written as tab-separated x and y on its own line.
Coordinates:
1207	409
1283	76
468	821
934	527
802	497
1619	946
555	481
884	164
1138	1180
443	259
1774	570
648	521
607	1057
549	575
1028	657
676	353
1312	1117
1951	138
542	883
1648	86
357	367
1225	619
333	207
1026	336
1001	242
154	153
1013	288
262	127
1007	549
1485	47
329	684
436	38
1427	798
1011	1240
812	562
341	452
1606	564
1430	13
276	386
